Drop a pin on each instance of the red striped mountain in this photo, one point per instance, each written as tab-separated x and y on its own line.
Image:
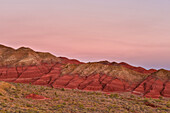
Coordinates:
25	65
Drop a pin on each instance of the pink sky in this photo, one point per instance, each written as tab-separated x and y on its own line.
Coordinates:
131	31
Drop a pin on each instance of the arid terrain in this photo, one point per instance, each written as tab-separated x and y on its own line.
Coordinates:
27	98
69	85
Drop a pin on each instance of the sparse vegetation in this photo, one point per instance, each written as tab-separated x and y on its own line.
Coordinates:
67	100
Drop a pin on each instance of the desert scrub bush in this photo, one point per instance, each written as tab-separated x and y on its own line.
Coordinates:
1	94
3	111
57	107
161	108
35	92
3	104
145	100
16	96
91	93
168	105
111	106
67	99
160	97
64	103
102	100
158	100
81	106
55	99
28	105
11	99
55	94
30	84
88	93
91	109
42	89
113	95
164	108
18	90
132	96
31	111
62	89
98	93
18	84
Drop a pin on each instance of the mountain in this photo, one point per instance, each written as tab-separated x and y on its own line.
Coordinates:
26	56
25	65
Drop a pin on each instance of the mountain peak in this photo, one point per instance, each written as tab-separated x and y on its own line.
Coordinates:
2	46
24	48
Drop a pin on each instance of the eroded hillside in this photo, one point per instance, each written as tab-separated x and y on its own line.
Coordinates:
25	65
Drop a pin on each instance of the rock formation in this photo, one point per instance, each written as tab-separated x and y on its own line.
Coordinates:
25	65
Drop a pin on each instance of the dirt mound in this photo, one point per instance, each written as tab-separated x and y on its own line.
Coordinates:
36	97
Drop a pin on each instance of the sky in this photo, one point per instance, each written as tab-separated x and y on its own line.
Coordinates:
132	31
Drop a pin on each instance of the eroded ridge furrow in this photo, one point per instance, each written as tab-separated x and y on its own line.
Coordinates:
40	70
104	84
112	85
55	77
20	72
62	81
109	81
46	68
51	67
102	77
146	91
164	85
1	73
91	83
51	84
7	71
78	87
146	79
50	79
85	85
48	76
70	81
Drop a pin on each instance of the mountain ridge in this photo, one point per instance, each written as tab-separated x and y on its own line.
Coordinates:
24	50
24	65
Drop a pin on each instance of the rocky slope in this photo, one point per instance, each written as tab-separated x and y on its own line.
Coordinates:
24	65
